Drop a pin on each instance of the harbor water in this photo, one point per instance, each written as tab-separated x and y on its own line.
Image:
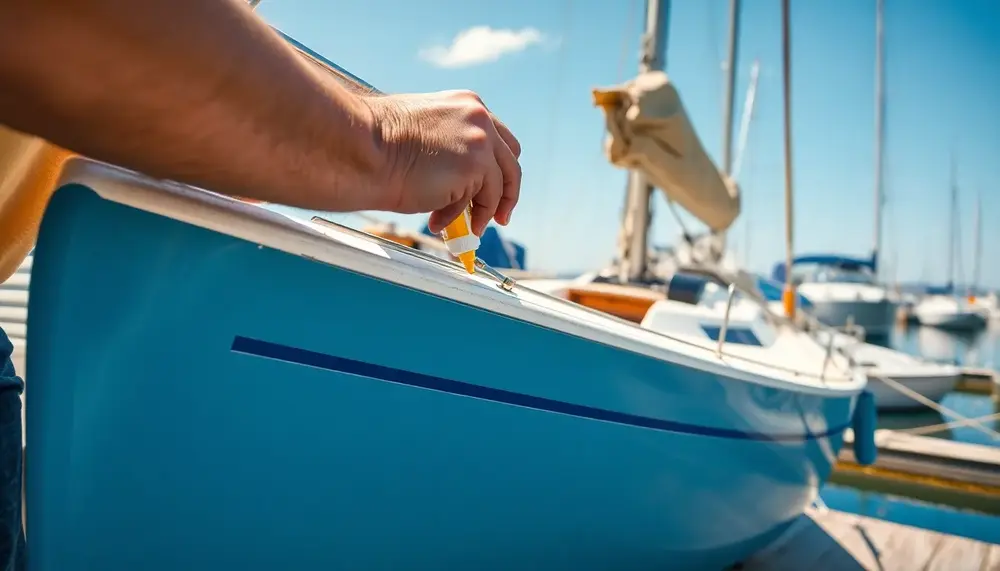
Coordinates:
979	350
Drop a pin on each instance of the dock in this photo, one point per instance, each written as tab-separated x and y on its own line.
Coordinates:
828	540
979	381
932	469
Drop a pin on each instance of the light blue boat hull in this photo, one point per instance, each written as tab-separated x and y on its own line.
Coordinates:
198	402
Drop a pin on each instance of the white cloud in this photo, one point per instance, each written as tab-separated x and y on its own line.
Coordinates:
480	44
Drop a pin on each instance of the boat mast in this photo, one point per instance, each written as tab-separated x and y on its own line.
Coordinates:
879	132
731	65
633	246
741	150
977	249
951	228
788	297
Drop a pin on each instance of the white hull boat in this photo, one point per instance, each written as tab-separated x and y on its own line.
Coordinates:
302	367
930	380
843	293
949	312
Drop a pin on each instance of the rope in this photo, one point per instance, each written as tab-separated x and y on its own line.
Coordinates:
931	429
906	391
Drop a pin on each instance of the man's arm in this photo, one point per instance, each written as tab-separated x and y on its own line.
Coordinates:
200	91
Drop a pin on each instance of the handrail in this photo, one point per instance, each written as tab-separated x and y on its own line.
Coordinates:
561	301
724	330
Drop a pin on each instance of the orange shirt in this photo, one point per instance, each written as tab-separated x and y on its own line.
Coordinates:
29	171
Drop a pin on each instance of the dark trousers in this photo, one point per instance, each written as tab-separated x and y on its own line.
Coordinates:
11	531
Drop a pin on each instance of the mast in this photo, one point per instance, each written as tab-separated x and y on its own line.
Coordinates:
977	249
741	150
633	248
788	295
953	208
731	65
879	132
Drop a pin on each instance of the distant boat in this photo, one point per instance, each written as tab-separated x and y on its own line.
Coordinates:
843	292
950	312
944	309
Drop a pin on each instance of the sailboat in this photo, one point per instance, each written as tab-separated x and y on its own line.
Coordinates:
946	310
987	303
250	387
930	380
844	290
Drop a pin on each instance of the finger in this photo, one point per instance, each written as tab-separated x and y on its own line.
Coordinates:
485	202
445	216
512	143
510	169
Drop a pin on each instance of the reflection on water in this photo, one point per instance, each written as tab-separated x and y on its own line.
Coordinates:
978	350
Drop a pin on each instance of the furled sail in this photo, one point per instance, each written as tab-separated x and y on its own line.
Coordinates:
649	131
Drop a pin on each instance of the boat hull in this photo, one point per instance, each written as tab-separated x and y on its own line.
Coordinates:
932	386
876	317
220	405
955	321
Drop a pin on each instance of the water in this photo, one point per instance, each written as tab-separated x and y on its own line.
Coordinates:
915	513
978	350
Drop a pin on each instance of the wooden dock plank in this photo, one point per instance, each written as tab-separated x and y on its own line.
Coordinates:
803	546
960	463
992	562
957	553
912	548
827	540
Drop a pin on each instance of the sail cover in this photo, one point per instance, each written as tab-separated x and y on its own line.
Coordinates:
649	131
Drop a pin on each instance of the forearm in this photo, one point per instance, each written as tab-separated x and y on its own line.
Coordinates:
199	91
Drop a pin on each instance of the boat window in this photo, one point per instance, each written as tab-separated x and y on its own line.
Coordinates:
741	335
828	273
841	275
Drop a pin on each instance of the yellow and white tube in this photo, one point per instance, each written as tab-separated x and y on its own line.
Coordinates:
460	240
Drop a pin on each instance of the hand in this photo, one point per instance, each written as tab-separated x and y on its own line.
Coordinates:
442	151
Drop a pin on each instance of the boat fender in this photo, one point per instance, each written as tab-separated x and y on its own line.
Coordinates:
864	421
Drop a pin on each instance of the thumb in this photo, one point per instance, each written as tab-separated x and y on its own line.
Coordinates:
445	216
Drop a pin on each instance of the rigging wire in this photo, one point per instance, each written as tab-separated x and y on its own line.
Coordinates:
554	105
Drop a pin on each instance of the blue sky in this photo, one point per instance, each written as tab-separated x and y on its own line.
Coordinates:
534	63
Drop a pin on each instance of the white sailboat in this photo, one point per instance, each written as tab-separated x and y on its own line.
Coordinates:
845	291
930	380
987	303
948	310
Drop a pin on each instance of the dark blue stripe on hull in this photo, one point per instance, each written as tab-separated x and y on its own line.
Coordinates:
329	362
